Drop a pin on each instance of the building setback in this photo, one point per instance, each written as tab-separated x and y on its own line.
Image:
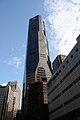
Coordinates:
57	62
64	88
37	68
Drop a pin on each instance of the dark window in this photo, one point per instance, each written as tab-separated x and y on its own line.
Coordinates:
33	30
72	99
67	61
44	79
63	66
64	77
73	83
71	56
67	102
76	49
60	71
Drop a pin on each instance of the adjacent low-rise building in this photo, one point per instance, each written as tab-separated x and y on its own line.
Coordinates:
64	88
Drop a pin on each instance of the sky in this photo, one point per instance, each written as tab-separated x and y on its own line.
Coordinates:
62	22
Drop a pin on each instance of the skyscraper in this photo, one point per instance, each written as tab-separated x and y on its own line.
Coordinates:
37	68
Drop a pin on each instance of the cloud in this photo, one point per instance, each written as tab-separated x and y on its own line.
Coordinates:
14	61
4	84
62	23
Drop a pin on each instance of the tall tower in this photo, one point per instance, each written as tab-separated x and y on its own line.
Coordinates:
37	67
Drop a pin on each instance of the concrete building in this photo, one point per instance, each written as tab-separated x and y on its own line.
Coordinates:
16	87
37	68
6	103
57	62
64	88
9	102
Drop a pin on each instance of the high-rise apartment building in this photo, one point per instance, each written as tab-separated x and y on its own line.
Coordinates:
16	87
3	100
64	88
37	67
6	103
9	101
